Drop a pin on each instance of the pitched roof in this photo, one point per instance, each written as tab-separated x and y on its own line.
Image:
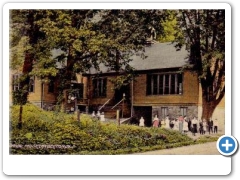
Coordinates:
158	56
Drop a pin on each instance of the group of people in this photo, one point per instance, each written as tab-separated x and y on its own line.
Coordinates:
184	124
202	126
99	116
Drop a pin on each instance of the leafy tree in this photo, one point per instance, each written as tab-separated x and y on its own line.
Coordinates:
204	36
26	46
86	39
170	27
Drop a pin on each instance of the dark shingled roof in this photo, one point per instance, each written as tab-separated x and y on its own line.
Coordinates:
158	56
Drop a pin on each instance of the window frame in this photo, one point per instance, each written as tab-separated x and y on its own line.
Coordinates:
31	87
51	86
99	87
15	85
164	84
183	111
164	112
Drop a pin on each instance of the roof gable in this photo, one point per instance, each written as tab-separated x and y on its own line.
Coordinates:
158	56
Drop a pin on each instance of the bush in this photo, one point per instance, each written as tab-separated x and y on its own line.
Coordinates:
47	132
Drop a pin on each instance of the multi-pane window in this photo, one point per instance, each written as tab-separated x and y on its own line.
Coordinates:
15	82
162	84
31	84
183	111
77	90
164	112
100	87
51	86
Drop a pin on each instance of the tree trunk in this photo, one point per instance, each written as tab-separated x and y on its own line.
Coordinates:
207	109
208	105
20	117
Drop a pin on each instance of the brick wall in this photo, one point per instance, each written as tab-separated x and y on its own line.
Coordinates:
189	95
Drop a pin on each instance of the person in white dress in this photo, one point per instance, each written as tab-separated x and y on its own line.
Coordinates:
185	125
98	114
141	122
102	117
204	126
167	122
93	114
176	125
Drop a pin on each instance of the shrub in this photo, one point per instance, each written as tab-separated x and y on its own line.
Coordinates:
47	132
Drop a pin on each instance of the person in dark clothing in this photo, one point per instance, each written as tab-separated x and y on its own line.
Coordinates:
201	128
194	124
210	126
189	125
215	126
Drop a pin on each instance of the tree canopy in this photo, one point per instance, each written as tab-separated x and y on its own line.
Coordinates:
204	36
86	39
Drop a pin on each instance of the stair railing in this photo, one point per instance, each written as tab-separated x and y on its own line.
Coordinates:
124	120
104	104
117	104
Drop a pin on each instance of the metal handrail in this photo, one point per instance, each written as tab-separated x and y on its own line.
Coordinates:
124	120
104	104
117	104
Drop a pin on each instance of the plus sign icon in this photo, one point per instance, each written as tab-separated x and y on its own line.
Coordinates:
227	145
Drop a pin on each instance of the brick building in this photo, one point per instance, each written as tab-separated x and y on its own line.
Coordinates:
162	87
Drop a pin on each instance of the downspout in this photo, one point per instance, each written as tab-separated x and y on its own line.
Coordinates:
42	94
88	90
132	98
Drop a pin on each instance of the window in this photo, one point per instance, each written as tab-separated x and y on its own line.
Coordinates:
51	86
164	112
77	90
15	82
162	84
100	87
31	84
183	111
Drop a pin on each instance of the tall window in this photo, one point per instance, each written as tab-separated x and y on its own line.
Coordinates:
77	90
31	84
164	112
162	84
51	86
15	82
183	111
100	87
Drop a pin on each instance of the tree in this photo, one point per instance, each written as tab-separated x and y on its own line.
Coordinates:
127	32
25	48
86	39
170	27
204	36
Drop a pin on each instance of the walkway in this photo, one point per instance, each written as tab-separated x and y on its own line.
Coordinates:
199	149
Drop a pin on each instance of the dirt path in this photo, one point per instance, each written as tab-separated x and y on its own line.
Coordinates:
199	149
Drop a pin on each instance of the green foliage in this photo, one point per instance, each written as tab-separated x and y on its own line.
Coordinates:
203	33
87	38
19	97
46	132
170	28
